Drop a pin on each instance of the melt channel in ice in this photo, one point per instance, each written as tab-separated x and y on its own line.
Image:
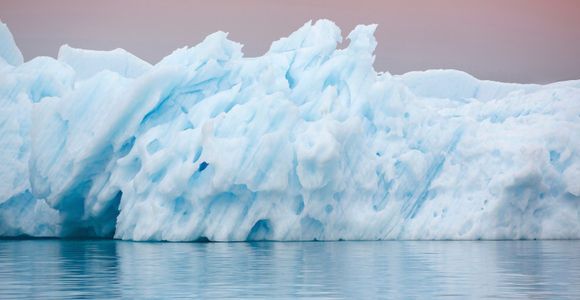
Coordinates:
304	142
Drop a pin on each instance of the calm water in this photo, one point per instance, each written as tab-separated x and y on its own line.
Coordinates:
54	269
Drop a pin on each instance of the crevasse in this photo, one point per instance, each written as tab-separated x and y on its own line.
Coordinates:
304	142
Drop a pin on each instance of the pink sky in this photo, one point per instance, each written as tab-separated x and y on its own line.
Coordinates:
513	40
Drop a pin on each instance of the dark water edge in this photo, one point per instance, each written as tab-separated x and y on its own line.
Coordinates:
110	269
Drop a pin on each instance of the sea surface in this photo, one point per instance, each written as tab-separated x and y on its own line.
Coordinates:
107	269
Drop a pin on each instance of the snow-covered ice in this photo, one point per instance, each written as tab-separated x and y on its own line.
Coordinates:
304	142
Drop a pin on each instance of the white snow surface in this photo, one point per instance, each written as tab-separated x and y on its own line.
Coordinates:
306	142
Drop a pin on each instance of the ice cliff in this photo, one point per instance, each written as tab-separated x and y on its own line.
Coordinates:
304	142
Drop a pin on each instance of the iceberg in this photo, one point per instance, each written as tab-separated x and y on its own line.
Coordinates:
306	142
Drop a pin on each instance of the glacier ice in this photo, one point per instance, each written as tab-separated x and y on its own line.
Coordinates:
305	142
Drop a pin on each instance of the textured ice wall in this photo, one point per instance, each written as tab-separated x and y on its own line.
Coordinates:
305	142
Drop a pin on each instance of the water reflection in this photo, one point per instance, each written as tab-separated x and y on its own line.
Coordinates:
53	269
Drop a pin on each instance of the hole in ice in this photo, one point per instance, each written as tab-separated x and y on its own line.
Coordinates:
157	176
311	228
181	205
262	230
328	208
202	239
105	225
153	146
127	146
554	156
187	126
202	166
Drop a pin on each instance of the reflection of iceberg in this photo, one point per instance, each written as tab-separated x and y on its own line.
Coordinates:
346	270
305	142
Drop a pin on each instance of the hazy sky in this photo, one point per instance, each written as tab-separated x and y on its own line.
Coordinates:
508	40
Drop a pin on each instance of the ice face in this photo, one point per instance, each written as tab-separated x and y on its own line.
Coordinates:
305	142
